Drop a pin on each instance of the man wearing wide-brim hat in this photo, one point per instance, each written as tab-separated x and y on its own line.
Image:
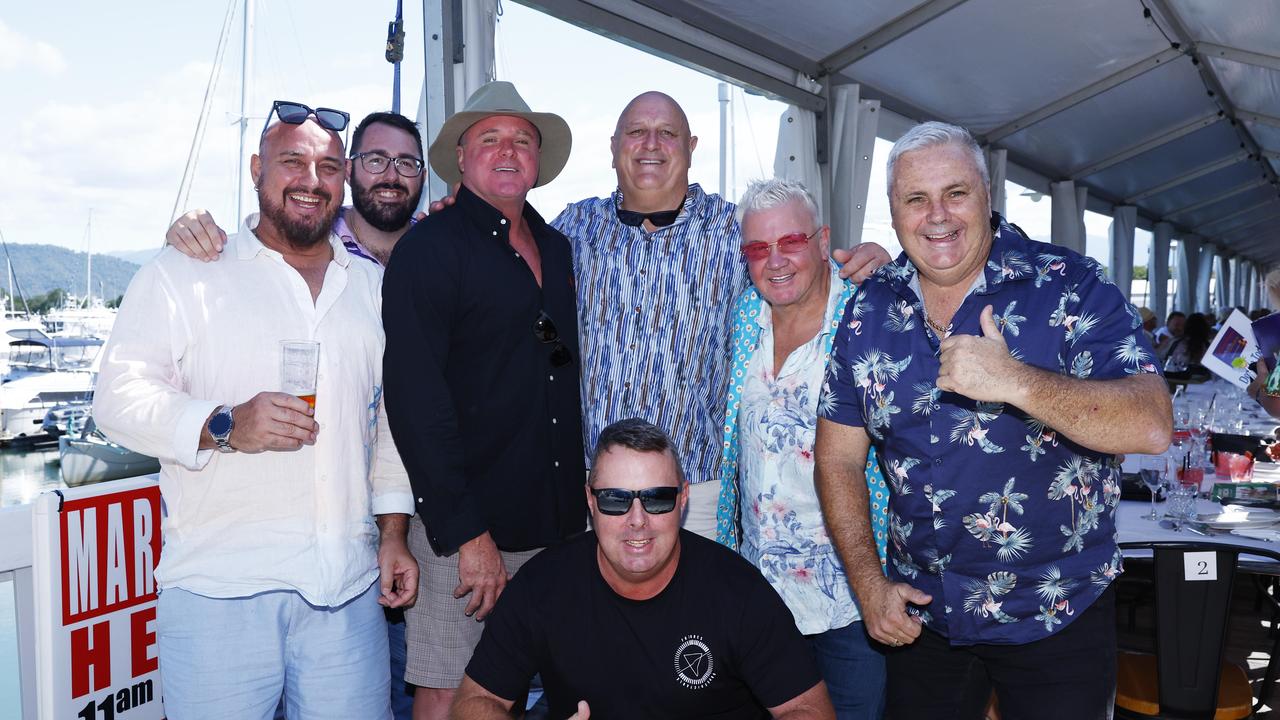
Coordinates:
481	378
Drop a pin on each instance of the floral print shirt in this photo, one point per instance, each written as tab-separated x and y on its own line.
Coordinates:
767	496
1009	526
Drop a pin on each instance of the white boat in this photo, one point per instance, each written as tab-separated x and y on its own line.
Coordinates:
64	419
25	401
16	326
31	352
88	457
81	319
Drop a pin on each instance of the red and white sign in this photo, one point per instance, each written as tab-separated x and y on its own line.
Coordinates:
96	550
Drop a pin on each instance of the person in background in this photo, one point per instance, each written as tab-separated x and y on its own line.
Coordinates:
783	328
1188	348
1172	330
1148	323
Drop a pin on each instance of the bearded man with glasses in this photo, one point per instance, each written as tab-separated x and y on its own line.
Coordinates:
640	618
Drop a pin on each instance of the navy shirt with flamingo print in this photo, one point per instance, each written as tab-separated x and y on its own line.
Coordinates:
1007	524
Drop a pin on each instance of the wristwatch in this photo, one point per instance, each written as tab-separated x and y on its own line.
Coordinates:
220	427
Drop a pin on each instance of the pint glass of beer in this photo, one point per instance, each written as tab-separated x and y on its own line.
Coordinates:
299	365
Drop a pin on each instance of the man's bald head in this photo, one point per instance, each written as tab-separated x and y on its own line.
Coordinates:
654	98
299	172
277	130
652	149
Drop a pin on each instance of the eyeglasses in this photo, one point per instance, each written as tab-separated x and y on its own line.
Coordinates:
654	500
377	163
545	330
296	113
788	244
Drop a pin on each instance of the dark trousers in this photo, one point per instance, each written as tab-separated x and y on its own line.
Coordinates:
1069	675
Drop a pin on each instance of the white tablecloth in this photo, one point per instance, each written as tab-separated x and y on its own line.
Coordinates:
1132	527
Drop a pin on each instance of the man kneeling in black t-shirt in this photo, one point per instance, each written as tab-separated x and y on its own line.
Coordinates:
640	619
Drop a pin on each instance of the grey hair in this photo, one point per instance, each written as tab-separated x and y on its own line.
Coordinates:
776	192
929	134
1273	288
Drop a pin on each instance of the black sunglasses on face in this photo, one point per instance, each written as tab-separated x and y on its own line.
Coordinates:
296	113
545	330
654	500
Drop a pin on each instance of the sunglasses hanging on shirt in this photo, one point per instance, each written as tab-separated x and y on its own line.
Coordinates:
547	334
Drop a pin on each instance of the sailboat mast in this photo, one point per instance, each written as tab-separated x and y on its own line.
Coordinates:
395	53
246	73
88	260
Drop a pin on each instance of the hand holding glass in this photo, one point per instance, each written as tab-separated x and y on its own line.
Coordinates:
299	366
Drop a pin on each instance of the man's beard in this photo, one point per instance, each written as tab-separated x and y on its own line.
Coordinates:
378	213
300	233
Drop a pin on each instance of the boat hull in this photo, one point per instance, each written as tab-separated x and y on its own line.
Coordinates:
86	461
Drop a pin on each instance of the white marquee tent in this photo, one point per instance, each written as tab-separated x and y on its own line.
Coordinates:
1163	114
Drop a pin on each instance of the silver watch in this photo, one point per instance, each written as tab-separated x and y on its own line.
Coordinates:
220	427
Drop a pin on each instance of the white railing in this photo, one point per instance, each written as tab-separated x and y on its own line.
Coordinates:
15	566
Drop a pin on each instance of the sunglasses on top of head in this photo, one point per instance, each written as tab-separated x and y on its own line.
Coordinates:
654	500
788	244
296	113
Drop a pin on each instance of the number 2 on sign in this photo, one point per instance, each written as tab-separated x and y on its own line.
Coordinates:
1200	566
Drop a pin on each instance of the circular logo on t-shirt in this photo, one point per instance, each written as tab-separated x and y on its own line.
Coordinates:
694	664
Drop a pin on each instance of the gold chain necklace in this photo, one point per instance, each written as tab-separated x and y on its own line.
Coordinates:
937	328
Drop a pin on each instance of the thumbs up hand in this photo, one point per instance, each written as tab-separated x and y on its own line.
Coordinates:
979	367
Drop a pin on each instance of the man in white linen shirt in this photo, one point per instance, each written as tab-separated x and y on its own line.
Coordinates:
269	574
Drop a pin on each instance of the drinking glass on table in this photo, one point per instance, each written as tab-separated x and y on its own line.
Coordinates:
1152	470
1181	506
299	366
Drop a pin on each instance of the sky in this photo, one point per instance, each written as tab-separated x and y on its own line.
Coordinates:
111	102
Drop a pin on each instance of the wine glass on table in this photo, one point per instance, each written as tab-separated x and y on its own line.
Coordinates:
1153	477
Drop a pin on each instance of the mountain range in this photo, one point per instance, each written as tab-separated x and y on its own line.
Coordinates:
37	269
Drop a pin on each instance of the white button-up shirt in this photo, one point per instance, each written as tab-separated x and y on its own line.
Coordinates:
191	337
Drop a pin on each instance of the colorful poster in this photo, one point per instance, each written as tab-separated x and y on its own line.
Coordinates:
1233	351
95	554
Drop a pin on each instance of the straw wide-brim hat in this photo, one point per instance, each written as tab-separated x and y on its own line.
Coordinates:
500	98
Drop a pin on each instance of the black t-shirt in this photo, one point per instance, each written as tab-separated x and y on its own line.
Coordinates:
717	642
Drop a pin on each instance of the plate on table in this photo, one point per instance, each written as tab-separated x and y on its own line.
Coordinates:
1242	517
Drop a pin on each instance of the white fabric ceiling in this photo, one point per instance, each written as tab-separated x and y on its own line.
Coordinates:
1090	90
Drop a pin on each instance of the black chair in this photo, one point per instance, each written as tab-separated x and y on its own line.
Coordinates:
1187	677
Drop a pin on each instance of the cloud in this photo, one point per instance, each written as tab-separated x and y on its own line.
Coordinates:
18	52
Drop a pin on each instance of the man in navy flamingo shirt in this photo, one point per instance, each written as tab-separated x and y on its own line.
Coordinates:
997	378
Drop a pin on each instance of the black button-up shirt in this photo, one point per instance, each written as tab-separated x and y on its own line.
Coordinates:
489	430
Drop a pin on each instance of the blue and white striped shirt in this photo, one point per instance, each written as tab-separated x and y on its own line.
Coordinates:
654	314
